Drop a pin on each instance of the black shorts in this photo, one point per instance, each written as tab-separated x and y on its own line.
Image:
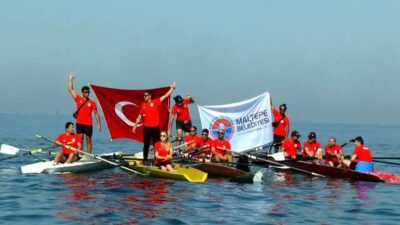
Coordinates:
84	129
185	126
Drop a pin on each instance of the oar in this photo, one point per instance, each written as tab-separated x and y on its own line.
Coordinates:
386	158
350	141
93	156
379	161
15	150
274	162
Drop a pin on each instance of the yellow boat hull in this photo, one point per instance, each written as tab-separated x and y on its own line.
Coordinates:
183	173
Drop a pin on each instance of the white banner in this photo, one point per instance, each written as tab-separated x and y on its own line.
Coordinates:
247	124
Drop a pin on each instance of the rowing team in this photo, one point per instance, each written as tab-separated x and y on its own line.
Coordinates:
333	152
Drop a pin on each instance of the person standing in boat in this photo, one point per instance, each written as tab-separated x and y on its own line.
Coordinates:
149	113
361	160
183	120
281	126
312	148
192	141
70	138
333	153
291	145
83	115
163	151
221	148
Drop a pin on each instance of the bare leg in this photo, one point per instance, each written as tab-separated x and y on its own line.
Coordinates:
229	158
88	144
169	168
163	168
217	158
346	163
82	138
179	137
71	158
331	164
59	158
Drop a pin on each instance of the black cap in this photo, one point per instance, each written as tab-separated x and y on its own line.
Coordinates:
312	135
295	133
178	99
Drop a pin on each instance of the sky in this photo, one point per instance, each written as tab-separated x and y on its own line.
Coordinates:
329	61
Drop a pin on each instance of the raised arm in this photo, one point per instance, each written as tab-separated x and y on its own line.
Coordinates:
173	86
270	102
71	85
190	98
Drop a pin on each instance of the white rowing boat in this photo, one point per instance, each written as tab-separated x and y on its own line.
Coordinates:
85	164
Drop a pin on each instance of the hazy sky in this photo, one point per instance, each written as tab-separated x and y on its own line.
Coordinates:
330	61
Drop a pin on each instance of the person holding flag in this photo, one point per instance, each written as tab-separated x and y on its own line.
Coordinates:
149	114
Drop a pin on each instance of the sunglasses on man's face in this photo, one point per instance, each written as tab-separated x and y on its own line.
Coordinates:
205	134
221	133
163	135
86	92
192	130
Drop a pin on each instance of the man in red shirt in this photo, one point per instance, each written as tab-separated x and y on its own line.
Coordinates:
312	148
221	148
333	153
149	113
281	126
361	153
69	138
85	107
291	145
192	141
183	120
206	143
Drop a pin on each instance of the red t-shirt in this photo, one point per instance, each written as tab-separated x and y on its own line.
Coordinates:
280	128
149	111
332	149
313	147
69	139
194	142
182	111
209	142
363	153
221	144
85	113
291	147
162	151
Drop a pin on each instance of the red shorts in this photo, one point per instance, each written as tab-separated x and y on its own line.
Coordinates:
158	162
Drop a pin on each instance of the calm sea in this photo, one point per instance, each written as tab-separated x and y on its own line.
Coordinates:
116	197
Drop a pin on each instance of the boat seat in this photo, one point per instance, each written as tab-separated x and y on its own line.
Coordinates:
362	166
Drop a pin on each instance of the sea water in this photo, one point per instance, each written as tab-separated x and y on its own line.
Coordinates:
117	197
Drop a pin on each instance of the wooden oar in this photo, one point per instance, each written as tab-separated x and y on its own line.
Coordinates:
386	158
93	156
253	157
379	161
29	152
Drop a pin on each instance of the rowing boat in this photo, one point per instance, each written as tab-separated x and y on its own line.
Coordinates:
333	171
85	164
183	172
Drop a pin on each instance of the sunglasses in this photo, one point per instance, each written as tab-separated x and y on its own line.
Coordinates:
163	135
146	95
221	133
192	130
205	134
86	92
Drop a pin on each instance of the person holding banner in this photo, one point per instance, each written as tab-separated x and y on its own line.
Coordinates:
221	148
281	125
183	120
149	113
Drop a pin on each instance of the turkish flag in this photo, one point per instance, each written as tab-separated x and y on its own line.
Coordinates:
122	107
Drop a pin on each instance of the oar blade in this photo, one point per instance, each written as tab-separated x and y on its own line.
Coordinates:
8	149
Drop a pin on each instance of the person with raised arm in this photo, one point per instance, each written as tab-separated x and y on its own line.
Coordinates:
149	114
85	106
281	125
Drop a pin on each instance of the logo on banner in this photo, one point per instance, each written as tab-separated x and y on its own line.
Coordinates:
222	122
